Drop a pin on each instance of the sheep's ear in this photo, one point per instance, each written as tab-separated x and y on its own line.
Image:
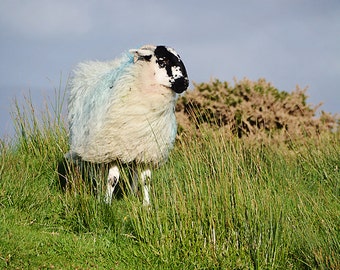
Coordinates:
141	54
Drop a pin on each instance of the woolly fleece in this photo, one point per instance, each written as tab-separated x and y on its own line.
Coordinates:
117	111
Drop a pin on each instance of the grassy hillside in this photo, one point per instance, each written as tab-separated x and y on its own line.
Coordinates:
219	203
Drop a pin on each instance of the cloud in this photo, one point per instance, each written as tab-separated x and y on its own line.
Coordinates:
44	19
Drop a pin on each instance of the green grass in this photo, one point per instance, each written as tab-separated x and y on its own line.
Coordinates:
218	203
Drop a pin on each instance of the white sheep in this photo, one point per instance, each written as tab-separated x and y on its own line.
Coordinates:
122	111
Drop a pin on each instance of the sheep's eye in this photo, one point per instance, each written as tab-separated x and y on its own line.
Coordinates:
163	62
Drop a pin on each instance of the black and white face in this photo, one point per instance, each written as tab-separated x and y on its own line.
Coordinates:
169	68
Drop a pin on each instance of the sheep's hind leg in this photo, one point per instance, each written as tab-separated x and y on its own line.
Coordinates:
112	181
144	179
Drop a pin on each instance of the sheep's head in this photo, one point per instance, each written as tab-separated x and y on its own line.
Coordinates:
169	69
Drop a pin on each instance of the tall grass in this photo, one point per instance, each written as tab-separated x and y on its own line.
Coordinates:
219	202
226	204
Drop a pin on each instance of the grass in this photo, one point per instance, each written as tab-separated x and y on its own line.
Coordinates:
218	203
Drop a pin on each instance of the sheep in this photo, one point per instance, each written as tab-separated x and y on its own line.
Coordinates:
123	111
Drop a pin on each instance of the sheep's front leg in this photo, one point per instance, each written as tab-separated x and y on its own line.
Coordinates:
145	178
112	181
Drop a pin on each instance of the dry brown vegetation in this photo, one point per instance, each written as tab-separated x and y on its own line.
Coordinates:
252	110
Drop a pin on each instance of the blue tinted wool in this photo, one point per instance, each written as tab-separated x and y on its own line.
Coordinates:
102	91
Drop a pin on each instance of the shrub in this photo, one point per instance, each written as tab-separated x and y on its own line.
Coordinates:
255	110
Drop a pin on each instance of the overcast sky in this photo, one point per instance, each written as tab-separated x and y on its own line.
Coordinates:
288	42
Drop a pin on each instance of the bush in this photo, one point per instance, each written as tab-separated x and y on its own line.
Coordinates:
255	110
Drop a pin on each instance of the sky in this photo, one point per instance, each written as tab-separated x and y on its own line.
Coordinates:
287	42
